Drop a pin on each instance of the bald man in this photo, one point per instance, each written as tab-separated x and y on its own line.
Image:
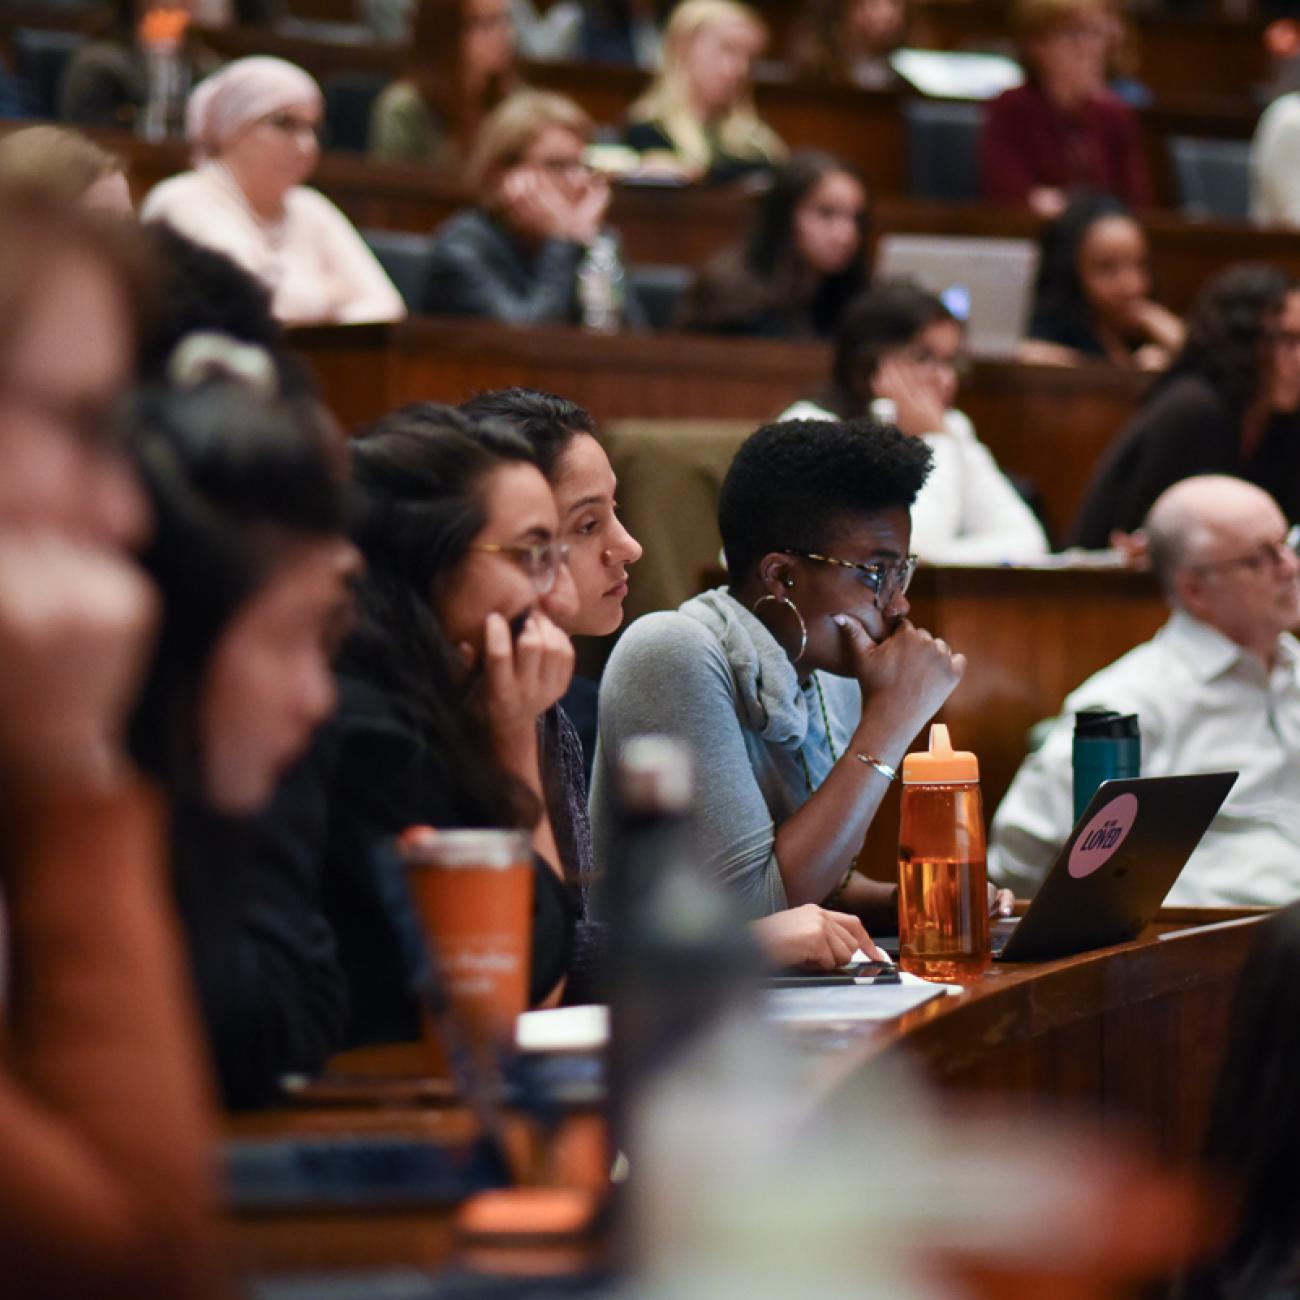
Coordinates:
1217	688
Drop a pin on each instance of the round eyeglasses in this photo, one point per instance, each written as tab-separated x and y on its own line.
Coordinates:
541	561
886	580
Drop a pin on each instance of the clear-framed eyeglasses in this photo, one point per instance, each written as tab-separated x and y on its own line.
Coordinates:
886	580
541	561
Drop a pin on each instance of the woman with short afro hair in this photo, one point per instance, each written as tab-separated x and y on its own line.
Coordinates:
800	684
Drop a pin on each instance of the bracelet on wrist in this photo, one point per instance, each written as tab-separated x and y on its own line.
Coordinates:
870	760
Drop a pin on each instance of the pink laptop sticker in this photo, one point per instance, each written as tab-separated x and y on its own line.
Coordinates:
1103	835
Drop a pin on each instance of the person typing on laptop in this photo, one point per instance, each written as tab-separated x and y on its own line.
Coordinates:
1218	687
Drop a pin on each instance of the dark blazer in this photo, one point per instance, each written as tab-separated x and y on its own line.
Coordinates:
1184	428
478	268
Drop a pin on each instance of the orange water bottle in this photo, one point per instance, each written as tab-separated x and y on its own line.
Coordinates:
943	911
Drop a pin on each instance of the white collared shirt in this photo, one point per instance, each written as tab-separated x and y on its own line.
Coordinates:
1204	705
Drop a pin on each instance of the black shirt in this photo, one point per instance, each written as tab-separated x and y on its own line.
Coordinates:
1184	428
368	776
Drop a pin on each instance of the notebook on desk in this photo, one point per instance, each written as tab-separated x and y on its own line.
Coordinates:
1116	866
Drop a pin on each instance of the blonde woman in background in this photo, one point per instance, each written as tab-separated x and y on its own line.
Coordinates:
254	128
698	119
66	163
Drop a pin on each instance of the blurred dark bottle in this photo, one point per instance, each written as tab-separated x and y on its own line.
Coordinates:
680	956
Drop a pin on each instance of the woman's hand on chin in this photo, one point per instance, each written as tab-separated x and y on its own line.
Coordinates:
524	675
905	678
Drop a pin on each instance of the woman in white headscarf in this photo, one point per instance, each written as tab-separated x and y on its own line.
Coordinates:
254	131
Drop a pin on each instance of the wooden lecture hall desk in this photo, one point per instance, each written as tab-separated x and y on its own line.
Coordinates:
675	406
1128	1038
868	128
668	226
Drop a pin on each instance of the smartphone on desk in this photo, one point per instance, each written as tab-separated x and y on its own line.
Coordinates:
858	972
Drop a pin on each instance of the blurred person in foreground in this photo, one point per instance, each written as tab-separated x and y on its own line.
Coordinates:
69	163
105	1112
697	121
1229	403
1092	300
803	263
1063	130
899	343
515	256
254	129
1217	688
251	559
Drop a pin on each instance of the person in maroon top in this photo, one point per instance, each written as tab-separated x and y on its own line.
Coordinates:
1062	131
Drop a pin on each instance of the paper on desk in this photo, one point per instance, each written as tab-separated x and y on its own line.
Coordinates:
907	978
847	1002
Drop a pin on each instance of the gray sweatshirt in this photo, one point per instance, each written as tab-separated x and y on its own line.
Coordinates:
711	674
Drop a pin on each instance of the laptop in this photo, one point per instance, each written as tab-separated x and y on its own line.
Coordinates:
985	282
1114	870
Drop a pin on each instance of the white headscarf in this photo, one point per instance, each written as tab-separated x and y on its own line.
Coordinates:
241	93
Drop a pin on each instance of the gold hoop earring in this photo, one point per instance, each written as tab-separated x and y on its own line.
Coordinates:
803	627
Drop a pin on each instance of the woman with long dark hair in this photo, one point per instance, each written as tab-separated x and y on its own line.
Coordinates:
804	260
1093	296
460	64
453	658
1228	404
250	557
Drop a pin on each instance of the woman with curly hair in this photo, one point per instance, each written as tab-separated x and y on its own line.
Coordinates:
804	260
1229	404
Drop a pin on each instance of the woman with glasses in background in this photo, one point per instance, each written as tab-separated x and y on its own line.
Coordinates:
516	256
453	659
800	684
900	345
254	128
1228	404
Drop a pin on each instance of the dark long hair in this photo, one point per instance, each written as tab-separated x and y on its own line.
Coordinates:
233	478
433	66
886	318
418	477
1058	292
547	423
1253	1136
766	273
1226	329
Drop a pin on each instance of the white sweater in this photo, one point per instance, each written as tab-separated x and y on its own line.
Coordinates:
967	512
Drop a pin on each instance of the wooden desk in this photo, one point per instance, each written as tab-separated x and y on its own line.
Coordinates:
1133	1034
1130	1036
866	127
1045	423
685	227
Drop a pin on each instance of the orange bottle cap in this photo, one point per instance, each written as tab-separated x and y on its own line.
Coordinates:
941	763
